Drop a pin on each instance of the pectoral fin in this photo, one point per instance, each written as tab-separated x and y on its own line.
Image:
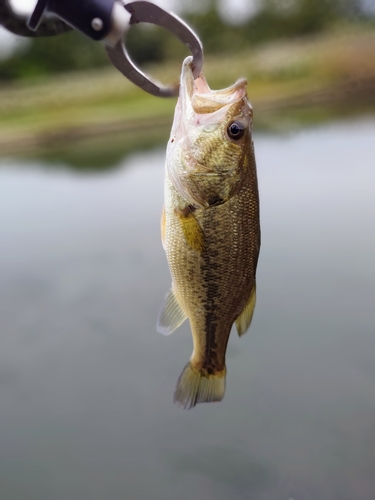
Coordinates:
244	319
193	233
171	316
162	226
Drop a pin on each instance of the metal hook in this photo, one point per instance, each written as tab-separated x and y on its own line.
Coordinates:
147	12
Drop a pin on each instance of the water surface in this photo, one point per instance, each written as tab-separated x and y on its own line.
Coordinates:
86	384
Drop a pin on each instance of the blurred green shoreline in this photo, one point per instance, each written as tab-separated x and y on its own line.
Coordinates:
96	117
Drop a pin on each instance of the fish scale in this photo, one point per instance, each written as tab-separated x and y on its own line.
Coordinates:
211	230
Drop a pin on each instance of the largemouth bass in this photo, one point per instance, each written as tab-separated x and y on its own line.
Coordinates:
210	228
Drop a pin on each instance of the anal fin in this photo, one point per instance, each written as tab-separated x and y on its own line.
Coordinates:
244	319
171	316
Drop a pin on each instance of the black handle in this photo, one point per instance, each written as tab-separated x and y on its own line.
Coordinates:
92	17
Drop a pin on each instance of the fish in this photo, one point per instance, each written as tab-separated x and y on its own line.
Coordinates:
210	228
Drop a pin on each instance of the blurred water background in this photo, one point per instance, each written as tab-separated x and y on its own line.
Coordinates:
86	383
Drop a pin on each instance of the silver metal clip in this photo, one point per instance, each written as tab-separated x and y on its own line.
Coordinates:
48	20
147	12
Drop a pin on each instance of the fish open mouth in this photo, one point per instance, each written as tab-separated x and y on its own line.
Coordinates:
200	97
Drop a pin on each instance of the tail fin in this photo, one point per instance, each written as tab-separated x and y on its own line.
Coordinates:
193	387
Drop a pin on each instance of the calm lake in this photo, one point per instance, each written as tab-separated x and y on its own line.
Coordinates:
86	383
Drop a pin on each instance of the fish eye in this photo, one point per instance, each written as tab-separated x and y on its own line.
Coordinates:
235	130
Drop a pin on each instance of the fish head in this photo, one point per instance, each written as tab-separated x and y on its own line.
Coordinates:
210	143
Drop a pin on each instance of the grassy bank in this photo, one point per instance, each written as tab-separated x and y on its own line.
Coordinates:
290	82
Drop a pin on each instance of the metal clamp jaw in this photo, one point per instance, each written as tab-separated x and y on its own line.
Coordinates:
109	20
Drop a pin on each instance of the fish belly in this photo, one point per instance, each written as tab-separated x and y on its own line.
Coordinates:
213	284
